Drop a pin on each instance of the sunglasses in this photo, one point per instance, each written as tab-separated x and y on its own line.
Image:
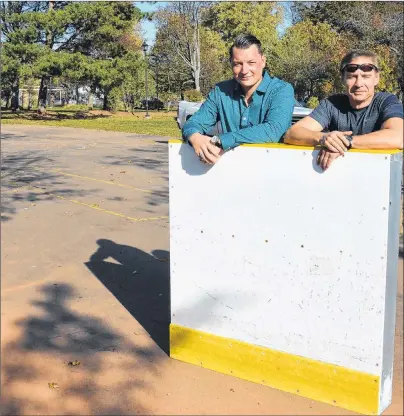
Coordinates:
364	67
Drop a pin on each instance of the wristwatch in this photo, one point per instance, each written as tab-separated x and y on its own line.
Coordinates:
216	141
349	138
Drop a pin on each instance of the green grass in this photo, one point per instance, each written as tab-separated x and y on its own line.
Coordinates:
159	124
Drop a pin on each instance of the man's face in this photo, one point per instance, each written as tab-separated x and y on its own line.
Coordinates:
359	85
247	65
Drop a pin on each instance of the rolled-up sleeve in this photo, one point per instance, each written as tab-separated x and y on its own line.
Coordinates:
204	119
277	120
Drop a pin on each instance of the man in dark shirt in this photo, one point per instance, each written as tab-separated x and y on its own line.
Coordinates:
358	119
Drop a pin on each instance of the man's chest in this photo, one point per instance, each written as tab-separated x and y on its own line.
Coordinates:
359	122
242	114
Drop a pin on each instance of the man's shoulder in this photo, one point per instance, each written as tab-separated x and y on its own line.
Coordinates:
385	98
277	84
280	82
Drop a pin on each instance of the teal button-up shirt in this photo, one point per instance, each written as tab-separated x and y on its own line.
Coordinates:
264	120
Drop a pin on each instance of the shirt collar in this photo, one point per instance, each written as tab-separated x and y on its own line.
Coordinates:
263	86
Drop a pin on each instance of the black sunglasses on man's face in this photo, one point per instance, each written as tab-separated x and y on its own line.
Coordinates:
363	67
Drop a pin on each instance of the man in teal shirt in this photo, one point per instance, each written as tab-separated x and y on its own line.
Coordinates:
253	107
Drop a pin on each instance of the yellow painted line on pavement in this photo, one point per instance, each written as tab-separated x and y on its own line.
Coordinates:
96	207
9	191
109	212
96	180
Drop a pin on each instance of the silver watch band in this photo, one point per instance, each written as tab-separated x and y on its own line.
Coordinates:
216	140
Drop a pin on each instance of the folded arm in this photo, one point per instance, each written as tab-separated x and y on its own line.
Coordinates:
306	132
309	132
204	119
390	136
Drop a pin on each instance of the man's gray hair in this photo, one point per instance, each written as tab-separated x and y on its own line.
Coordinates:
350	56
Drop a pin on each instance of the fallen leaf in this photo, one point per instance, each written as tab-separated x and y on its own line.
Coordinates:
74	363
53	385
124	171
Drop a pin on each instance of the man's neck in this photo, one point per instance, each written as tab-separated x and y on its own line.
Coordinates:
362	104
249	91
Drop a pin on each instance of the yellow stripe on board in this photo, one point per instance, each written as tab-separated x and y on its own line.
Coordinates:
316	380
294	147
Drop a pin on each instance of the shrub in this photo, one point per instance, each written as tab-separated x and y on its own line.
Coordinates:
193	96
313	102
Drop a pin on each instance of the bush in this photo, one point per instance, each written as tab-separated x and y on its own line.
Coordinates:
313	102
77	107
193	96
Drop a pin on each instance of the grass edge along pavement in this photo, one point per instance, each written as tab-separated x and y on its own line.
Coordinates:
159	124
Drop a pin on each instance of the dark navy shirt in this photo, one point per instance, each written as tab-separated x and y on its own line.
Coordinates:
335	113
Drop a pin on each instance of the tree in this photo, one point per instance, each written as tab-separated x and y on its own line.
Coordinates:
93	29
215	65
374	25
96	30
308	57
260	19
19	48
179	24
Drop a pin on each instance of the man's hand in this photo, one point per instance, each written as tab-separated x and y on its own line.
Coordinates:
325	158
204	149
335	141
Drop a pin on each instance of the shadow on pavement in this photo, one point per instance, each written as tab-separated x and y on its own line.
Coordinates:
141	283
24	178
110	373
151	158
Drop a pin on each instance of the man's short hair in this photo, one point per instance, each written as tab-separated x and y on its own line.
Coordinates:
244	42
350	56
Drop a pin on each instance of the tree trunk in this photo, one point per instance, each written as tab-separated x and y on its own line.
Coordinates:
196	74
196	54
198	60
105	101
90	102
15	91
8	98
42	95
29	100
77	95
43	89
